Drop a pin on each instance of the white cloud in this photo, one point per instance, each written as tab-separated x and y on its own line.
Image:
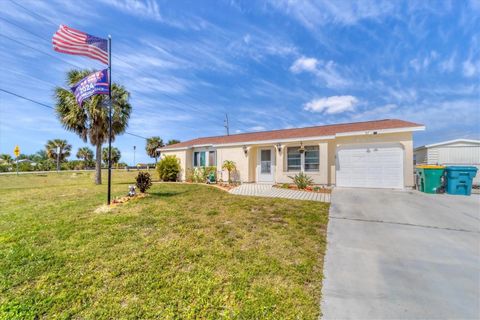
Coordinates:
419	64
321	12
449	64
332	105
326	71
304	64
148	8
257	128
470	68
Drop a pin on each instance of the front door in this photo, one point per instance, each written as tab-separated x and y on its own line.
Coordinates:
265	165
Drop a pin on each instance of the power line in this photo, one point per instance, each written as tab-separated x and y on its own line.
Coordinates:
22	28
25	98
46	19
115	56
38	50
34	13
50	107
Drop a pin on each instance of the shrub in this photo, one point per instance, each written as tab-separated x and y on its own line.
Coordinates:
24	166
285	185
200	174
143	181
301	180
189	175
46	165
168	168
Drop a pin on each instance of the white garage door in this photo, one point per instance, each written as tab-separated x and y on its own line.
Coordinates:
370	166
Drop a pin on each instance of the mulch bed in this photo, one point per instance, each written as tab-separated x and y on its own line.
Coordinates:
316	189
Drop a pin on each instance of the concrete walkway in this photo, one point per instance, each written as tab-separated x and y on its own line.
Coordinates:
266	190
402	255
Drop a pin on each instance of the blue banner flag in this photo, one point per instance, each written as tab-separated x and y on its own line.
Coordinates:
95	83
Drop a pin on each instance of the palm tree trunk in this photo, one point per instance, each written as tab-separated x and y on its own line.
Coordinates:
98	164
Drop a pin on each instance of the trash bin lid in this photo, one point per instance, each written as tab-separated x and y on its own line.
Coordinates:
430	166
461	168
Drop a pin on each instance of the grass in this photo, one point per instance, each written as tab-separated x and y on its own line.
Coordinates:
185	251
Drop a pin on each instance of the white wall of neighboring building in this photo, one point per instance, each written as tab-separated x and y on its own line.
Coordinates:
456	152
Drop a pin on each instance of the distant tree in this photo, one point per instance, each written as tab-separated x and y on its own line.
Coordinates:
6	157
90	121
172	141
58	150
39	156
85	154
152	145
116	155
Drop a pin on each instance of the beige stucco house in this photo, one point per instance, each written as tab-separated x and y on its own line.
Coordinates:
372	154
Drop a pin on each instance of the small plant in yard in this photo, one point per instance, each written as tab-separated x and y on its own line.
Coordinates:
285	185
301	180
168	168
230	166
143	181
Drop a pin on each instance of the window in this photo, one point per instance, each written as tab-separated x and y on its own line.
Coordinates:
211	159
307	161
200	158
294	159
311	158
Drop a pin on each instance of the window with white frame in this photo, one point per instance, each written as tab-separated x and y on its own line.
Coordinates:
294	159
312	158
307	161
212	158
204	158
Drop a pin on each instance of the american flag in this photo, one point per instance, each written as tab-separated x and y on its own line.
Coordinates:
71	41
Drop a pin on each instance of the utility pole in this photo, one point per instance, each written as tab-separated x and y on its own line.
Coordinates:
134	148
225	124
58	158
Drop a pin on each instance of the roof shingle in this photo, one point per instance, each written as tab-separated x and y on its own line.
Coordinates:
326	130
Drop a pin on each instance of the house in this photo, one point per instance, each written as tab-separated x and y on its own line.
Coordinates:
452	152
372	154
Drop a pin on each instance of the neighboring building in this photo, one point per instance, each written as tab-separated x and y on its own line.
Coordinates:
376	154
452	152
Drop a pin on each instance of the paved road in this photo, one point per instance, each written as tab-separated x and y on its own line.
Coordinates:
402	255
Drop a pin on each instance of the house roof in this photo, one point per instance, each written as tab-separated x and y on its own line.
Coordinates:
448	142
307	132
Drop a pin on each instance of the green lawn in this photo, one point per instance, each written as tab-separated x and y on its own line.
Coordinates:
186	251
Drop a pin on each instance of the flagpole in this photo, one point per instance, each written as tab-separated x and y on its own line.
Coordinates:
109	118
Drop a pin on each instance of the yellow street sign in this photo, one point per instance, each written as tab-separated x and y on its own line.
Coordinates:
16	151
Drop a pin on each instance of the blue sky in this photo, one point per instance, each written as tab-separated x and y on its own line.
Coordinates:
268	64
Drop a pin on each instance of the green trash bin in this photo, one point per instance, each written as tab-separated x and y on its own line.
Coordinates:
429	178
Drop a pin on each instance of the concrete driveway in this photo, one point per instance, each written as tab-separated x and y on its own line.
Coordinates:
402	255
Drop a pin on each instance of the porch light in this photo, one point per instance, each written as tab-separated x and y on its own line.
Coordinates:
279	147
245	150
302	148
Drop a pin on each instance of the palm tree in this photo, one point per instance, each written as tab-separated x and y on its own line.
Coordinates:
58	149
152	145
90	121
85	154
229	166
6	158
172	141
116	155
